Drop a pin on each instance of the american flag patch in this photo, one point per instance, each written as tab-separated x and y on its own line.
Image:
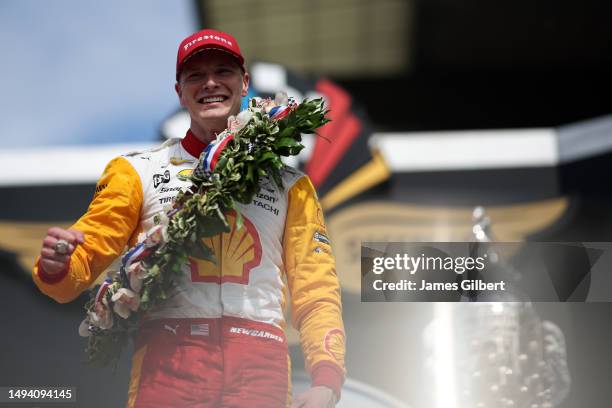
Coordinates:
200	329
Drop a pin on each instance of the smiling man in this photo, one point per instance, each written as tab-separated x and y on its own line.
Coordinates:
219	340
210	86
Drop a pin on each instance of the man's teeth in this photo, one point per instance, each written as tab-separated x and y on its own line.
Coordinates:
212	99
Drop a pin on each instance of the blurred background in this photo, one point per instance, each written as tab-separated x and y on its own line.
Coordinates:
438	106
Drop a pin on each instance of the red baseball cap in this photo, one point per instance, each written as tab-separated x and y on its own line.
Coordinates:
206	40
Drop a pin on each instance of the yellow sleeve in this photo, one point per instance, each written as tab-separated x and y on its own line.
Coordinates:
314	288
109	222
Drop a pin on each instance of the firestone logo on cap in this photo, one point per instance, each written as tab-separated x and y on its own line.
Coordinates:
206	39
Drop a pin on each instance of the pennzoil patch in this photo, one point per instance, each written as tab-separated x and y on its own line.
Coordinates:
184	174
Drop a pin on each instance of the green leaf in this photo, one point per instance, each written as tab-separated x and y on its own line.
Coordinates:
266	156
249	176
286	142
278	180
199	250
154	271
239	219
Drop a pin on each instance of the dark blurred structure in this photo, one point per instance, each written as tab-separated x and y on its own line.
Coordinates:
440	64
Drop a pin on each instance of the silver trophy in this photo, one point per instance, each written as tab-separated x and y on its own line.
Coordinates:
506	356
499	354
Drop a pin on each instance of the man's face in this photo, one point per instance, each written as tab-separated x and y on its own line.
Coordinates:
211	86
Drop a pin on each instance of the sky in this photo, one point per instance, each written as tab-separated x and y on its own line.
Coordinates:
88	72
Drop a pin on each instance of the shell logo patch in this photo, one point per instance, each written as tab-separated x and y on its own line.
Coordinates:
334	344
236	252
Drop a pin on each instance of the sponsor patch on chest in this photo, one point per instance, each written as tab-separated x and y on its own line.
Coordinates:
161	178
266	206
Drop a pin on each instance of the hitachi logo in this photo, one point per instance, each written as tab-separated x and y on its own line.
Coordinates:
256	333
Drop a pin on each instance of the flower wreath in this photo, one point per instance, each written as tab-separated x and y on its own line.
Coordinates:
228	172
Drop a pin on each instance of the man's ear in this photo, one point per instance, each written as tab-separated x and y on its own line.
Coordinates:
246	79
179	92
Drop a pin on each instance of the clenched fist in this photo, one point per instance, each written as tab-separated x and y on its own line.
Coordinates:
51	261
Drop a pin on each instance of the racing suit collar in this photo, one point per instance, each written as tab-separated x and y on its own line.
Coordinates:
192	144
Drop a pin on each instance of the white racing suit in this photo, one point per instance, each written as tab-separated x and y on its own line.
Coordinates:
219	340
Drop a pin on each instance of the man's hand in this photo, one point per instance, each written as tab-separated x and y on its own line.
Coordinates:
316	397
52	262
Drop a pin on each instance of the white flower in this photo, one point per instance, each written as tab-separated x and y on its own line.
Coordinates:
236	123
136	283
84	328
101	316
231	122
136	273
156	236
122	310
126	302
161	218
268	105
256	104
281	99
243	118
138	269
